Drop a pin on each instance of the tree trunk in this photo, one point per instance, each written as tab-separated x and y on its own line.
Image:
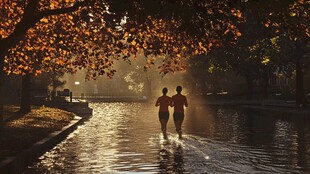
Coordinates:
203	88
215	85
26	94
2	55
1	97
54	91
300	92
149	86
249	82
265	84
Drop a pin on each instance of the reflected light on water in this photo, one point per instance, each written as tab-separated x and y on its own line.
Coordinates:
126	138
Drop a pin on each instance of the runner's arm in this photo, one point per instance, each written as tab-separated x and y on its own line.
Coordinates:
185	102
171	102
157	102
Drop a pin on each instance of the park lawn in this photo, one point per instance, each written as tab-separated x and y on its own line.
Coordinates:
20	133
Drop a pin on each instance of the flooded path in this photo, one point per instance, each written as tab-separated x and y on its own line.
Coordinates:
125	138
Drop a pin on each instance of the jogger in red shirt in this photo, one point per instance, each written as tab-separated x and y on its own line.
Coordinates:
164	102
178	102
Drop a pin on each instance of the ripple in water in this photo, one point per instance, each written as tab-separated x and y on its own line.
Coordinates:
125	138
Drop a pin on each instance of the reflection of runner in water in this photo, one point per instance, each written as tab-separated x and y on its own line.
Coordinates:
178	101
163	102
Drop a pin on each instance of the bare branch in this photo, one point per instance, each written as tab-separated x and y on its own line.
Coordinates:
73	8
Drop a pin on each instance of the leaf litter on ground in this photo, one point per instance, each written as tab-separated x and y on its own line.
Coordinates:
20	133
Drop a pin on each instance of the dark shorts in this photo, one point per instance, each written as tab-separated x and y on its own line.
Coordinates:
163	115
178	116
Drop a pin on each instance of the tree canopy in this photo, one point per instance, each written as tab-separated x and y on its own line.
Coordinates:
40	36
67	35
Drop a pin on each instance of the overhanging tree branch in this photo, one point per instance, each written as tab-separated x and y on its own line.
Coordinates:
73	8
30	19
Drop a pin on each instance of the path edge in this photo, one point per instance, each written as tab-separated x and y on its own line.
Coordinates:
17	163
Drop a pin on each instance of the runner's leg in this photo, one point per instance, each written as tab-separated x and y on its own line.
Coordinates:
178	125
163	123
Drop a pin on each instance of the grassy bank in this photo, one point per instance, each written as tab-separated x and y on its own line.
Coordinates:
20	133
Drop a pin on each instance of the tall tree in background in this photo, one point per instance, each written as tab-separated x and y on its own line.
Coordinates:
17	17
291	19
200	68
268	20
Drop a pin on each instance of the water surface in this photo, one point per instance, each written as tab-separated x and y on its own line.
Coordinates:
126	138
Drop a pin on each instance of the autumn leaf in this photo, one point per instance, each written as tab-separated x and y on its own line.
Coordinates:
44	20
133	42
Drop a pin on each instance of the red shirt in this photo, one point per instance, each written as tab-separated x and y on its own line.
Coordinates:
163	102
178	101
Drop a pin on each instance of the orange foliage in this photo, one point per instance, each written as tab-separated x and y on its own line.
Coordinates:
83	39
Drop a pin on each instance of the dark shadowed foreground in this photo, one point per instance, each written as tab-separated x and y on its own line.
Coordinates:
20	133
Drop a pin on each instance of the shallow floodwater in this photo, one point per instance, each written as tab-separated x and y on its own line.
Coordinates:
126	138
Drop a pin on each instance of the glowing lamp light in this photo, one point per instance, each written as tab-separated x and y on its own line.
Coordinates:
77	83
